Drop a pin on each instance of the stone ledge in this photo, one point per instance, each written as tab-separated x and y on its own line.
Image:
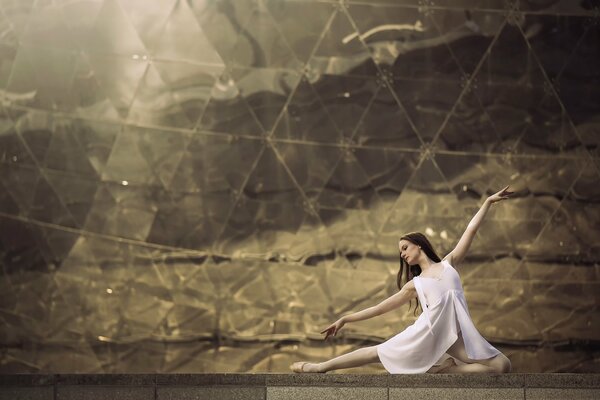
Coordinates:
230	386
554	380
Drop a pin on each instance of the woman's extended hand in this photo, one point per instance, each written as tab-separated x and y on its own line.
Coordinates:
334	328
501	195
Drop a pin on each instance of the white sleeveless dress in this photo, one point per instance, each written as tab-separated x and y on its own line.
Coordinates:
445	313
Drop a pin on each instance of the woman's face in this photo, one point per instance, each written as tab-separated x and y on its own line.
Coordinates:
409	251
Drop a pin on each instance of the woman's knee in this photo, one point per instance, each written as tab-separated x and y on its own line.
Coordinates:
372	353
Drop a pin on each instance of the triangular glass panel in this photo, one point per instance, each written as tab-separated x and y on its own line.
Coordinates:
301	23
52	81
95	138
351	230
155	161
20	182
89	98
260	44
311	239
386	124
8	205
468	33
265	91
47	206
21	83
84	262
113	33
268	214
305	118
163	151
127	163
228	111
278	232
46	28
469	128
75	193
388	171
585	186
551	132
346	99
523	69
348	186
103	208
148	19
578	83
270	181
588	134
206	164
569	235
154	104
466	177
35	129
190	84
556	41
190	219
13	151
182	39
340	51
22	257
221	23
552	176
429	193
119	78
427	102
311	165
126	211
504	90
64	140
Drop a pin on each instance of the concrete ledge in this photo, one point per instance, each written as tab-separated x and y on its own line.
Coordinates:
299	386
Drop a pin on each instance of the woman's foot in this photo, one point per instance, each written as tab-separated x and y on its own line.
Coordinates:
304	367
440	369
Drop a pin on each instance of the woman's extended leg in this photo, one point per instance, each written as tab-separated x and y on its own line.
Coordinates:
497	364
355	358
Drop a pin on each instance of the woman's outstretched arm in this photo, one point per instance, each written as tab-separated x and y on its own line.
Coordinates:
396	300
460	251
407	292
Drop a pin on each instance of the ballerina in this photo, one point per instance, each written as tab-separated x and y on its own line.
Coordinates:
443	329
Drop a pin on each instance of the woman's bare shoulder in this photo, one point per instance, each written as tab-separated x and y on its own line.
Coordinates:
448	258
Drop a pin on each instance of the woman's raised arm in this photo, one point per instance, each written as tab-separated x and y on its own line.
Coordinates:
460	251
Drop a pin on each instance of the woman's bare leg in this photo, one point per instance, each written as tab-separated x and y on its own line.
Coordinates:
356	358
497	364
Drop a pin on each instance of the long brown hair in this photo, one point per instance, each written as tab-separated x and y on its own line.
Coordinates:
415	270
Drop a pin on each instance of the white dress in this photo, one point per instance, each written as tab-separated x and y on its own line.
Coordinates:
445	313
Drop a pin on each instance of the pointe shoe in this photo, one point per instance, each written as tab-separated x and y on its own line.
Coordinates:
298	366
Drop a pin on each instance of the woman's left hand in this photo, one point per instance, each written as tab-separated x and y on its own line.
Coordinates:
501	195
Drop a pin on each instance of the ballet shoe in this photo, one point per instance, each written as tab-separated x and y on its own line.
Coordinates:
449	362
298	366
439	368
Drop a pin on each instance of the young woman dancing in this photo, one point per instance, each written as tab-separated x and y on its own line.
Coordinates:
444	326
